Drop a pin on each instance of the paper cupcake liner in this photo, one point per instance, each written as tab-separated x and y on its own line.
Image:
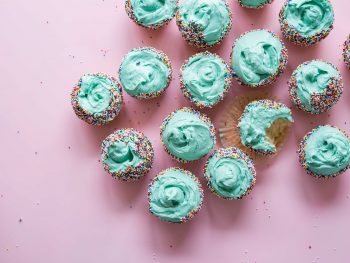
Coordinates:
229	132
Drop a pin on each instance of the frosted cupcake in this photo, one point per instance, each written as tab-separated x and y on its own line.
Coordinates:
325	152
306	22
175	195
258	57
127	154
187	135
145	73
255	4
230	173
203	23
315	86
204	79
255	125
97	98
346	52
151	14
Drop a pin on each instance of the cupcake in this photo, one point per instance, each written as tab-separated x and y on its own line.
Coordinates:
346	52
145	73
175	195
204	79
97	98
255	125
203	23
230	173
315	86
258	57
127	154
306	22
187	135
255	4
151	14
325	152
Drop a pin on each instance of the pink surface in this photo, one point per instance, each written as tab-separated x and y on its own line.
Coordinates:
58	205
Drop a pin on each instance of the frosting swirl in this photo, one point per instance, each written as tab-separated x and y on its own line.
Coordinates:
327	151
211	16
229	177
121	155
186	136
143	71
254	3
256	56
153	12
205	78
313	78
309	17
257	117
174	194
95	95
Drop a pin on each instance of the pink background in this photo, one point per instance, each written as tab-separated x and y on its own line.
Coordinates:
58	205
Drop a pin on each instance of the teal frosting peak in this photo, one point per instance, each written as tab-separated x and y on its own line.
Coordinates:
313	78
153	12
254	3
122	155
309	17
187	136
256	56
211	16
205	77
327	151
257	117
95	93
174	195
144	71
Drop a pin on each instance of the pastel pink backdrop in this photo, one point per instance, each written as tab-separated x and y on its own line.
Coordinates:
58	205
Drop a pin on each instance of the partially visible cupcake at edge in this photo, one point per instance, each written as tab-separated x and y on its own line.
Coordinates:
205	78
325	152
254	4
204	23
306	22
97	98
258	57
145	73
346	52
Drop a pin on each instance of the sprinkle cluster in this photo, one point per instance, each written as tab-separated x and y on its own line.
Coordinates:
99	118
290	33
271	79
200	115
192	32
193	212
233	153
320	102
143	147
130	11
165	59
187	92
241	3
302	160
346	52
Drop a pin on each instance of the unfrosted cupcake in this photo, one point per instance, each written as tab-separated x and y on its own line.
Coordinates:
97	98
255	125
325	152
175	195
230	173
255	4
127	154
258	57
204	79
203	23
187	135
346	52
151	14
315	86
306	22
145	73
